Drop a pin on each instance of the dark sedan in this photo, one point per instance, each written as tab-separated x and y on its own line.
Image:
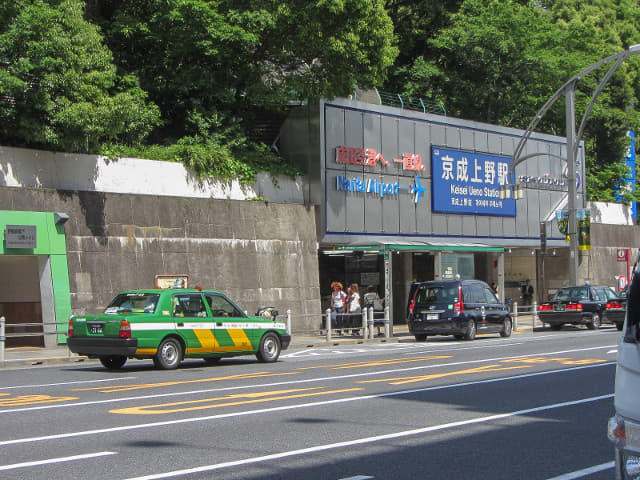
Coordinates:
583	305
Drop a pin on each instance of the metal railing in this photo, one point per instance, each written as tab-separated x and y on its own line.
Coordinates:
4	335
530	310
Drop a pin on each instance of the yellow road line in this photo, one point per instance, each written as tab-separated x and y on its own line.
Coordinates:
32	400
124	388
228	401
391	361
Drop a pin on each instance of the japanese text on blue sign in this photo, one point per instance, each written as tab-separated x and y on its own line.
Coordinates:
469	183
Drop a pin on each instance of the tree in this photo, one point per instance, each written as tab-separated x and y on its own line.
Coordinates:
498	61
222	59
59	85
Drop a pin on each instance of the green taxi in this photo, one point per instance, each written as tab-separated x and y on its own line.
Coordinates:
172	324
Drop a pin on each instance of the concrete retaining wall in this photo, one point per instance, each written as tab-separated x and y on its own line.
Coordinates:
258	253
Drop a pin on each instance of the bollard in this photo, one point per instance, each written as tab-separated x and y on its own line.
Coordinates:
387	322
535	316
370	322
364	323
328	324
515	315
2	339
289	322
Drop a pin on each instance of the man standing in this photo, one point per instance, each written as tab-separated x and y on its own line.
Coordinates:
527	293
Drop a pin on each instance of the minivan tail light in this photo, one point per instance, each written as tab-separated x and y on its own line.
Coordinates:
70	329
125	329
412	305
458	307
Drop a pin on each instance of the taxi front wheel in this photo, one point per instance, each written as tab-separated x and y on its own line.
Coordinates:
169	354
269	350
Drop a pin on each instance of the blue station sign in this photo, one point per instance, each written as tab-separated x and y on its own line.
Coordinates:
467	182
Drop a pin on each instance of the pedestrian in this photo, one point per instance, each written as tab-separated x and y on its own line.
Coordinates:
338	301
355	311
494	287
527	292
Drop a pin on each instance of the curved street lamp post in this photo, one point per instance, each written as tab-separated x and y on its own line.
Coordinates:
568	90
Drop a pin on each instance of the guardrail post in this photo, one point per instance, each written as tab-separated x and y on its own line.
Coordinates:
370	321
289	322
328	323
2	339
387	318
535	316
515	315
365	326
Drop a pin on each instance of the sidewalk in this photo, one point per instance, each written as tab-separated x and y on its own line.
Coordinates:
21	357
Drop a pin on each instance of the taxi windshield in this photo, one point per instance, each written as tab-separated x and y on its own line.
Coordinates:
134	303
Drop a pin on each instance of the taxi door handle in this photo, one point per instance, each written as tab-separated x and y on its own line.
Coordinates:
219	324
180	324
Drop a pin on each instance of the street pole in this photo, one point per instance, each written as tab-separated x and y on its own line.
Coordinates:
570	106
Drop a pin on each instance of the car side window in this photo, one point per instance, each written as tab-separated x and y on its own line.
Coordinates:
489	296
476	295
599	295
188	306
221	307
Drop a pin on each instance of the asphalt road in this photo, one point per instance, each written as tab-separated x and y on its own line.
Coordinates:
527	407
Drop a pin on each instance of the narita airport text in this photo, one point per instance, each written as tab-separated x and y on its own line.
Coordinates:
369	186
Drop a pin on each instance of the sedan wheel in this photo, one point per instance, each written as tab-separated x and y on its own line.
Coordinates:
269	348
113	362
471	331
169	354
506	328
595	322
420	337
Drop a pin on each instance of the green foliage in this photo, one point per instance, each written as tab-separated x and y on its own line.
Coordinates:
60	86
498	61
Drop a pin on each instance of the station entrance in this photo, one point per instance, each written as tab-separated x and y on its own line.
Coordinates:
391	269
20	300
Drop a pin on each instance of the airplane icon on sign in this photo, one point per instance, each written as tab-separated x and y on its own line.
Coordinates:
418	190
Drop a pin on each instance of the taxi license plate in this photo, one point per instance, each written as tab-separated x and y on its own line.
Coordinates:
95	329
432	316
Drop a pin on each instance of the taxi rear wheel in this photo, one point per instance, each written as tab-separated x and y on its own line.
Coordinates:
113	362
169	354
269	350
594	324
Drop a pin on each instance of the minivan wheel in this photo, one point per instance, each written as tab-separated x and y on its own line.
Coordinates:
420	337
506	328
471	330
595	322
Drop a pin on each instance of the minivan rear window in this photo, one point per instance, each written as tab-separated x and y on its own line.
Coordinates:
437	295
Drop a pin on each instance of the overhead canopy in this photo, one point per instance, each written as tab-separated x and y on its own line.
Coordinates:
420	246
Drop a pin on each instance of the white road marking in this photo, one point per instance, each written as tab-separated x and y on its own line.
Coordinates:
585	471
610	352
68	383
310	380
289	407
360	441
358	477
49	461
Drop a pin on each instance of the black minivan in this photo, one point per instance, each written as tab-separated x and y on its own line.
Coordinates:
462	308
